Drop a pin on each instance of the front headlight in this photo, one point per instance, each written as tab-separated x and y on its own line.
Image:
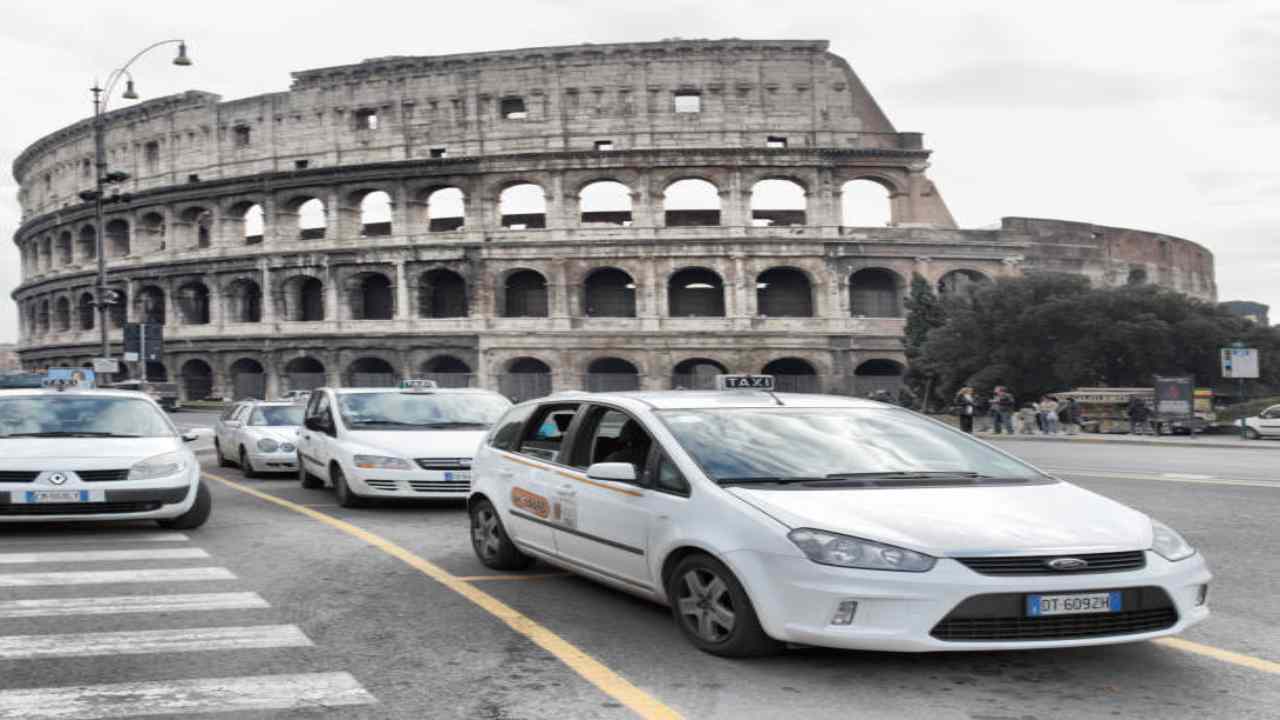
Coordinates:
381	462
268	445
158	466
829	548
1168	544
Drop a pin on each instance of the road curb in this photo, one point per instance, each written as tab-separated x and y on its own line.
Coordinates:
1253	444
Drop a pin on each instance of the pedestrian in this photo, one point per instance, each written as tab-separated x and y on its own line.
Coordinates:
1003	406
1028	416
1139	416
982	414
966	406
1049	414
1070	415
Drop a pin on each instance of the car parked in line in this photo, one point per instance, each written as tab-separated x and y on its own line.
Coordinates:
1264	424
296	396
258	436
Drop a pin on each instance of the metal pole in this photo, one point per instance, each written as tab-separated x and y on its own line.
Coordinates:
1244	426
100	163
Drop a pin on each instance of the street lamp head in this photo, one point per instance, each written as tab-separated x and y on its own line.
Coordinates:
182	58
129	92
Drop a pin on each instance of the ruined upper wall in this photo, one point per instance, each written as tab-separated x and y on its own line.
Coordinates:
573	97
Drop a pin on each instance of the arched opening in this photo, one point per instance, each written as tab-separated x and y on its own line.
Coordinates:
865	203
62	315
313	221
696	374
1137	276
254	223
783	292
375	214
961	283
152	229
116	312
523	206
42	316
605	202
196	225
244	301
609	292
442	294
446	210
696	292
117	238
777	202
447	371
151	305
792	375
875	292
193	303
156	371
371	372
46	252
876	377
197	380
691	202
304	373
248	379
304	299
526	294
87	243
526	378
86	310
372	297
612	374
64	248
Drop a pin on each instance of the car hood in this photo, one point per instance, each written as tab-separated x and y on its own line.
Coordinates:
960	521
422	443
81	453
279	433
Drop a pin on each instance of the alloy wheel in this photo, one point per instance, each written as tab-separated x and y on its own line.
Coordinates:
706	605
484	533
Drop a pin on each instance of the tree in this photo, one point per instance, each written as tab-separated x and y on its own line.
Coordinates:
925	313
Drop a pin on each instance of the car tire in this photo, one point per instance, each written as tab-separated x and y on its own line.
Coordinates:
1252	434
306	479
222	459
196	516
713	611
490	541
246	466
342	491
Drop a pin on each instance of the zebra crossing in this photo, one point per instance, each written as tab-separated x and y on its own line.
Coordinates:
28	565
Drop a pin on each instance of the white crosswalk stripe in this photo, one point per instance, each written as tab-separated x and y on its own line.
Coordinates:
138	642
93	538
182	697
103	577
71	556
125	604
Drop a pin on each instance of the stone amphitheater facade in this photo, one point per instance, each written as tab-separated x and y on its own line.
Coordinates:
598	216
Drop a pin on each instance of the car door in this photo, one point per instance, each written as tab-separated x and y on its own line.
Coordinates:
533	469
1269	421
315	435
225	431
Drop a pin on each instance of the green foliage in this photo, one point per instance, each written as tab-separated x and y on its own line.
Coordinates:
1047	332
924	313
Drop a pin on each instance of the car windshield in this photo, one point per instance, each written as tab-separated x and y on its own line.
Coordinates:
276	415
68	415
837	447
395	410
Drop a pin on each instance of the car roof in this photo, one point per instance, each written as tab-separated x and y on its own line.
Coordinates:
74	392
270	403
693	399
411	391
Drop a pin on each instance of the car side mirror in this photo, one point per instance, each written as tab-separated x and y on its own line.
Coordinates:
189	436
614	471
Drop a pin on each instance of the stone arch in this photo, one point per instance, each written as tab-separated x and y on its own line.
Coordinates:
877	376
86	311
695	292
376	209
244	301
249	217
691	201
304	373
372	296
442	293
194	228
371	371
875	292
193	303
792	374
196	379
867	201
523	205
62	314
525	378
116	313
87	243
446	208
308	212
303	298
608	292
525	294
696	374
248	379
151	230
962	282
447	371
65	248
611	374
156	371
784	292
605	202
778	201
117	235
151	304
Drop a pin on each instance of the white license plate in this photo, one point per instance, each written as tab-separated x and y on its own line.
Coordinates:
1074	604
457	476
57	496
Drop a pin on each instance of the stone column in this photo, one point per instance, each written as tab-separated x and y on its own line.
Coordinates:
332	306
402	293
401	223
217	313
268	295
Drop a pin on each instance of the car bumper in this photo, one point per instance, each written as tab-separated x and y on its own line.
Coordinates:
140	500
274	462
410	483
796	600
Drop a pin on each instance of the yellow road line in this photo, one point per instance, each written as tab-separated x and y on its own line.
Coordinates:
591	670
483	578
1226	656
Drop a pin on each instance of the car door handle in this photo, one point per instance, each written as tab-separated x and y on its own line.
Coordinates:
567	490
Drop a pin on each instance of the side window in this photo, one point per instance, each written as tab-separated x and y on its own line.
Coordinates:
229	412
506	432
610	435
243	414
545	433
318	408
667	477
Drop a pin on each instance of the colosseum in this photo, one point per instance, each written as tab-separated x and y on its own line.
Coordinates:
592	216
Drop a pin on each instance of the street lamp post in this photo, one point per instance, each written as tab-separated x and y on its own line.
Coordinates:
101	97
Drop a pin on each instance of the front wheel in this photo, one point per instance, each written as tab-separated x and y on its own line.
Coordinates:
1252	434
196	516
713	610
489	540
246	467
222	459
342	491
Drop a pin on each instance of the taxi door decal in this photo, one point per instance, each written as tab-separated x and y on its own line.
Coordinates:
530	502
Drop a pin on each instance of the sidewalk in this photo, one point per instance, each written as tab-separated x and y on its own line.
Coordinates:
1216	440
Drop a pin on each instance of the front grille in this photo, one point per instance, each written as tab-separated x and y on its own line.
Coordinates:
19	476
1002	616
458	486
444	463
103	475
382	484
1037	564
78	508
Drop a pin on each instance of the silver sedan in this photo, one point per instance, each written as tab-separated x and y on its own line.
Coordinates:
259	436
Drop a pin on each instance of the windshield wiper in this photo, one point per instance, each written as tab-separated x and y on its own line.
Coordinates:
392	423
455	425
77	433
765	480
908	474
919	477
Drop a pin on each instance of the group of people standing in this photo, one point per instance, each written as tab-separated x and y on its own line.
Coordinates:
1000	412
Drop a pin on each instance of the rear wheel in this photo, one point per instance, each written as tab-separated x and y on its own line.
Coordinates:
342	491
306	479
246	467
196	516
222	459
489	539
713	610
1252	434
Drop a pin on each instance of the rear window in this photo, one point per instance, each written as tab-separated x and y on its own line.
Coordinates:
81	416
397	410
277	415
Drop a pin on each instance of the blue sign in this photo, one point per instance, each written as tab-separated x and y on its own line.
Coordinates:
61	378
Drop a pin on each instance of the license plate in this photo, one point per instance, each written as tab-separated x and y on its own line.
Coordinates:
57	496
457	476
1073	604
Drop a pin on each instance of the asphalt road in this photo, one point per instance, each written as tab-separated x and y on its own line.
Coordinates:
363	634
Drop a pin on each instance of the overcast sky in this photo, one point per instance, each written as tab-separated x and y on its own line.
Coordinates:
1162	116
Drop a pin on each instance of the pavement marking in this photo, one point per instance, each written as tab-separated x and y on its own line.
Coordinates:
126	604
115	576
532	576
96	538
590	669
1226	656
72	556
176	698
140	642
1165	477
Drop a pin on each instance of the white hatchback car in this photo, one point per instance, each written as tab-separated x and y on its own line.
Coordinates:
765	518
259	436
410	442
1264	424
96	455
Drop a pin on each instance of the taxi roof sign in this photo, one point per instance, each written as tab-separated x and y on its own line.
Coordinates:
744	382
417	385
63	378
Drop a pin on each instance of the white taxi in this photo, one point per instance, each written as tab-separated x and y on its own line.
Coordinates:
84	454
764	518
415	441
258	436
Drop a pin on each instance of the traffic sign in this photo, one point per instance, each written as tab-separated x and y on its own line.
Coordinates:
106	366
145	339
1239	363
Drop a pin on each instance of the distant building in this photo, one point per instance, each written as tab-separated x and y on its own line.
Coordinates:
1254	311
9	362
